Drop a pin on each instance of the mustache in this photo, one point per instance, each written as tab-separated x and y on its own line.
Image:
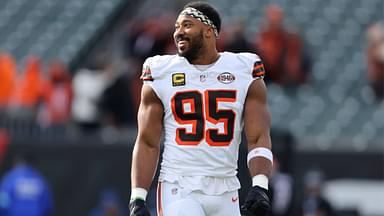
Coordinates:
180	38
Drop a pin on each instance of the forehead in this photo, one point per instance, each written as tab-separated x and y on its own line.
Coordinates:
185	18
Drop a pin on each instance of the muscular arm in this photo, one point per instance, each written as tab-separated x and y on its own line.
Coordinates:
257	124
147	146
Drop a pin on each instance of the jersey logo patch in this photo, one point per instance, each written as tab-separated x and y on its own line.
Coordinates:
146	74
174	191
226	77
258	70
203	77
178	79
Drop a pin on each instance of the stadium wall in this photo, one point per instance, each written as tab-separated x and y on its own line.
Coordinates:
78	172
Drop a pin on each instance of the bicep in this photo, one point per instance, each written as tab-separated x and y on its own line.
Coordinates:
257	118
149	117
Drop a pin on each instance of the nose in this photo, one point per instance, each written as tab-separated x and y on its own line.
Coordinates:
178	32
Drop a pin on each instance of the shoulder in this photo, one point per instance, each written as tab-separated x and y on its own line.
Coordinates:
244	57
160	61
249	60
154	66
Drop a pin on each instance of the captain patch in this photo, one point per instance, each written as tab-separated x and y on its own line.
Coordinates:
178	79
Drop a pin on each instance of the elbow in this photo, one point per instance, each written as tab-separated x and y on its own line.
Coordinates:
148	143
261	141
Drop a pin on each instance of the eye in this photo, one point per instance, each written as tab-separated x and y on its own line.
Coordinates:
177	27
187	25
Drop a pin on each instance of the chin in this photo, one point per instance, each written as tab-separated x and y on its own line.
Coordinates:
181	52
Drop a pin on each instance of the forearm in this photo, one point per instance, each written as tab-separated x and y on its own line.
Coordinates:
260	164
144	163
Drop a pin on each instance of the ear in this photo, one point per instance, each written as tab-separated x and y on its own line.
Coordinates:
209	32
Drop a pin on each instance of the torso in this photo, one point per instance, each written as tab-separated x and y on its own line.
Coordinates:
203	113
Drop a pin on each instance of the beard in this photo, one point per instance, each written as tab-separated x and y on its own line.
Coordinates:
194	48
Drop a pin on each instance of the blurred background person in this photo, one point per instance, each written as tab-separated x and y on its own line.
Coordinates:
236	40
55	96
109	205
375	58
282	50
89	84
24	191
4	141
8	74
314	203
116	102
26	92
282	191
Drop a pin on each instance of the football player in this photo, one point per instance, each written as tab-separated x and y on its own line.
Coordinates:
202	100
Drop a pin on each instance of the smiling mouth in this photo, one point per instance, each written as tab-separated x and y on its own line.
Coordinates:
182	44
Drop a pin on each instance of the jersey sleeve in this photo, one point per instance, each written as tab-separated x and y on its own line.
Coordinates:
255	63
146	74
153	68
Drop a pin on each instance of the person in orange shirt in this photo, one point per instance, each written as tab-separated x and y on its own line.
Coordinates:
25	94
282	50
7	78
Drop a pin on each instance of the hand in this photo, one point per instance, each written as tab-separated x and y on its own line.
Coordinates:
257	202
137	208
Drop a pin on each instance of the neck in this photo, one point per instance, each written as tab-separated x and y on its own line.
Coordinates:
206	57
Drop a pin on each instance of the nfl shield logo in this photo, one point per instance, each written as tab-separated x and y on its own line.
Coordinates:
174	191
203	77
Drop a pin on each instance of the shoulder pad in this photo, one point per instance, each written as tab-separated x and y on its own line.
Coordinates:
248	57
258	71
152	65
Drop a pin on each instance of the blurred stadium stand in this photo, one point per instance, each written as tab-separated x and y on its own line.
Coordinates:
53	28
333	118
336	110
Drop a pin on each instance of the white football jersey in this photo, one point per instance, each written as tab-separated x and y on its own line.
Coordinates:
203	111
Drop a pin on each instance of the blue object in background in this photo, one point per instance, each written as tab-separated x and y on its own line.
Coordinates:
23	191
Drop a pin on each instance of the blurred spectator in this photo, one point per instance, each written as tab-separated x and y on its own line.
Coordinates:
314	204
24	191
109	205
281	49
375	58
281	185
236	40
4	140
88	86
117	103
26	91
147	38
56	96
7	79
